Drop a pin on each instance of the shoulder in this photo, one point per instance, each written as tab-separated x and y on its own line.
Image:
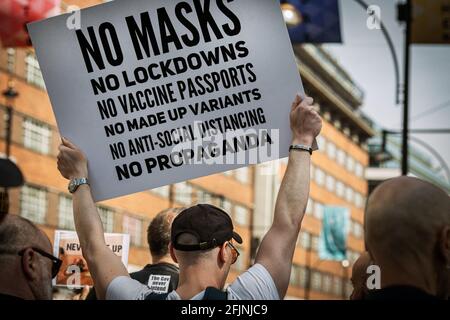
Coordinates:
126	288
254	284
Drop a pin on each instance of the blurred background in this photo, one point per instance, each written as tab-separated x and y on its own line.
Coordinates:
351	56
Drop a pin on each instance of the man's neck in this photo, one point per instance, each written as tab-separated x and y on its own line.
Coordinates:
163	259
195	280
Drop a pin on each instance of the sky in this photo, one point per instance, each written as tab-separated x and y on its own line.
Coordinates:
366	57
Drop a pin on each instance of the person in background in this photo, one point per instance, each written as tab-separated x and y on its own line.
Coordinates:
163	269
203	240
162	275
407	233
26	263
359	277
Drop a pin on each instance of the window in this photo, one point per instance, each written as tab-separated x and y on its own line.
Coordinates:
338	124
359	200
340	189
316	281
226	206
310	206
337	286
352	256
350	164
305	240
65	213
357	230
314	243
241	215
162	191
341	157
107	217
321	142
183	193
33	204
330	183
319	177
318	210
359	170
36	136
331	150
303	276
33	72
242	175
348	289
241	261
133	227
349	194
294	279
204	197
327	283
11	60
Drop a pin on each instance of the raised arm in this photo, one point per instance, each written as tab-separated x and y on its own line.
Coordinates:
277	248
103	264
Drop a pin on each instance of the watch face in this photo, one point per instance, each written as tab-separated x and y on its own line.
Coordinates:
72	186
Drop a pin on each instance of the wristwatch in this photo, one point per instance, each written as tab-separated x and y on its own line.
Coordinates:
301	147
75	183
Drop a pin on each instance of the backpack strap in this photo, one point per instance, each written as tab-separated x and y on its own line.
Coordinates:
210	294
157	296
215	294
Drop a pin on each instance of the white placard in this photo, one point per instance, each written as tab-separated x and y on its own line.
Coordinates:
158	92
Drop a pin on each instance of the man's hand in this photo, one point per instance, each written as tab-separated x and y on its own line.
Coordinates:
83	294
306	123
72	163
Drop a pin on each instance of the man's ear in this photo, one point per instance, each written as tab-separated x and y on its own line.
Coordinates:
30	264
223	253
172	253
444	246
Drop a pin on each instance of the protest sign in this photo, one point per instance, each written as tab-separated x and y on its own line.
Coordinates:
74	272
158	92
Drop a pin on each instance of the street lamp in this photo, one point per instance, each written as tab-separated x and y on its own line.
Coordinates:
10	174
291	15
345	265
10	95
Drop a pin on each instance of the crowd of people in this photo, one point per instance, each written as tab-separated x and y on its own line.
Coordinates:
407	237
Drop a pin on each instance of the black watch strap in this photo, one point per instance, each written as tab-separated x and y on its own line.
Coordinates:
301	147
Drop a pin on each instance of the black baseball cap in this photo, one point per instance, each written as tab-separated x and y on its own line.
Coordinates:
210	225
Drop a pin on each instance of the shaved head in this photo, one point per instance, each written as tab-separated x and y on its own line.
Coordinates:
17	233
404	224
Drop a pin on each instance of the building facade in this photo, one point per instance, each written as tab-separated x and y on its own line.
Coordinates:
386	157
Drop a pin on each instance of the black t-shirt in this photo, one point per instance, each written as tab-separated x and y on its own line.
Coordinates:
161	277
